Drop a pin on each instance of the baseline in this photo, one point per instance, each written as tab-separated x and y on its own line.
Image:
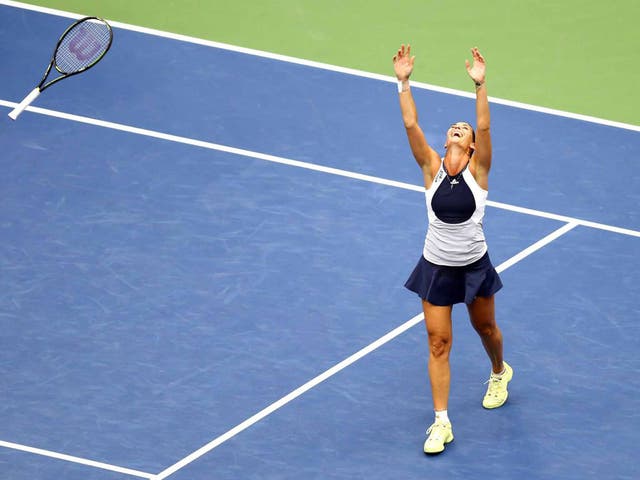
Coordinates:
325	66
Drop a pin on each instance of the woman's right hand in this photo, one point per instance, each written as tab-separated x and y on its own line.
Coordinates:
403	63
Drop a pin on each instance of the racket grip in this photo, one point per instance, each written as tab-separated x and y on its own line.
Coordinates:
24	103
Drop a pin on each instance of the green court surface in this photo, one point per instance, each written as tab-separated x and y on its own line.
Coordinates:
579	56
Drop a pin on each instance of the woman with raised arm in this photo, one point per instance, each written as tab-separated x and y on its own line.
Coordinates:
455	266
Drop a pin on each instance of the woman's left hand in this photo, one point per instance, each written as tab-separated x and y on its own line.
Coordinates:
477	70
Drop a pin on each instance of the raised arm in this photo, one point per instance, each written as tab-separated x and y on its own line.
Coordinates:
481	159
426	157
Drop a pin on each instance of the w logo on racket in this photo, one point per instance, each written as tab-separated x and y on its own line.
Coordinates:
84	45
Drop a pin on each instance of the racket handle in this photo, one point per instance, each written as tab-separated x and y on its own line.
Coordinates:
24	103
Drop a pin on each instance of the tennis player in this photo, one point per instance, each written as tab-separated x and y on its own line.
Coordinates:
455	266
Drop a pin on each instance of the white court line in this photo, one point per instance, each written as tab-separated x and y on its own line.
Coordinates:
305	165
342	365
70	458
325	66
536	246
287	398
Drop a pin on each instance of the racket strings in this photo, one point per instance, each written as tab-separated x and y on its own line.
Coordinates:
82	46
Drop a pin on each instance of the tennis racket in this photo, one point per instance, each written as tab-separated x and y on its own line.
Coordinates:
79	48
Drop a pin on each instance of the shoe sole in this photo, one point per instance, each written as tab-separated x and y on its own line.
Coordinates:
435	452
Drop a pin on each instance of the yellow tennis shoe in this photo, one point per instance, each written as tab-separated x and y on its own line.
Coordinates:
440	433
497	390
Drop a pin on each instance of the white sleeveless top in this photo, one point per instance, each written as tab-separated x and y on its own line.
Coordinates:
455	207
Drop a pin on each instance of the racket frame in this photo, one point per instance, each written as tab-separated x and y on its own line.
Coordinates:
52	63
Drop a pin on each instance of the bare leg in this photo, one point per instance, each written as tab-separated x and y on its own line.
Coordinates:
483	319
438	323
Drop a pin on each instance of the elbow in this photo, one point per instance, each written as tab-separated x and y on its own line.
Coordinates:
483	122
410	122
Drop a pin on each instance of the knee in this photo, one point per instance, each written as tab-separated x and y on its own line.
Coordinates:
487	330
439	346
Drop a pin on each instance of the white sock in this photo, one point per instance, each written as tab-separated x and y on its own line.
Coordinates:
499	375
442	416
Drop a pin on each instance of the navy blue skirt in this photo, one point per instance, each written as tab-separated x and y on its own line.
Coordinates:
442	285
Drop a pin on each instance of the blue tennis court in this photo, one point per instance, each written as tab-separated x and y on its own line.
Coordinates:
203	256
